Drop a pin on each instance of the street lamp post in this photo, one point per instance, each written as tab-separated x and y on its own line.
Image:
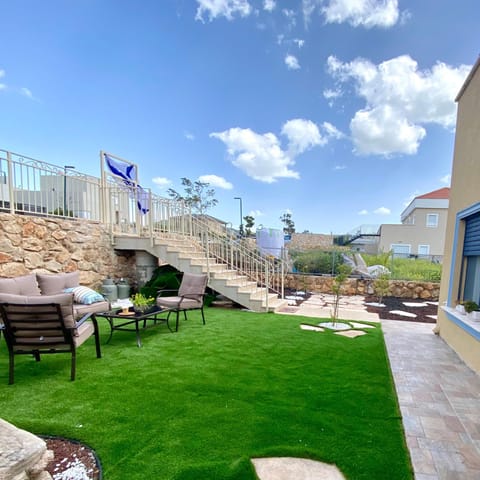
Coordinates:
241	215
65	168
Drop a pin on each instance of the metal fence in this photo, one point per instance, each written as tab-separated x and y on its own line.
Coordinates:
29	186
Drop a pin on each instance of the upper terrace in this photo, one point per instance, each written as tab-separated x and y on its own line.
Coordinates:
138	220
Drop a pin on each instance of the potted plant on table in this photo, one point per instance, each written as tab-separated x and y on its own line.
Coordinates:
142	304
473	310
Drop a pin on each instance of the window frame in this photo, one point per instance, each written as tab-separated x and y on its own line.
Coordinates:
392	245
428	224
423	245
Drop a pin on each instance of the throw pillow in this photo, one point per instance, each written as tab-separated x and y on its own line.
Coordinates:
84	295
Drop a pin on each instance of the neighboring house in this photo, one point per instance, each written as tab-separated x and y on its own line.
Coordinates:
363	239
461	266
422	231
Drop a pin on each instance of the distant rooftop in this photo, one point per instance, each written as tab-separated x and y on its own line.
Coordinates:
441	193
438	199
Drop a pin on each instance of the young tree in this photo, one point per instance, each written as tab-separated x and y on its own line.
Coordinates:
197	195
337	289
289	227
249	223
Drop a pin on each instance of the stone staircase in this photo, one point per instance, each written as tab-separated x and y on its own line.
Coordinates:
189	256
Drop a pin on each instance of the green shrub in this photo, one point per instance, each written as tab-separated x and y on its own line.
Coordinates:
317	262
407	268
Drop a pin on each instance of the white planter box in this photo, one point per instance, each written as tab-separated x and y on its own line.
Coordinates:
474	316
460	309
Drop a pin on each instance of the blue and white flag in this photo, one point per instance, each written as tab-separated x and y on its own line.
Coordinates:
124	170
128	173
143	200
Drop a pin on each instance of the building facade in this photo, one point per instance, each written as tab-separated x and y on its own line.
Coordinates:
461	270
422	231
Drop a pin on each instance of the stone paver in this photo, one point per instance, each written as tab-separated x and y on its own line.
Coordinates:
288	468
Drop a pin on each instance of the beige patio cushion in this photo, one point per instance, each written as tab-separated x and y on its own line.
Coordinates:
51	284
24	285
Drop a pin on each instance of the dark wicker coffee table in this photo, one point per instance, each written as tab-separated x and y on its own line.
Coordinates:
121	321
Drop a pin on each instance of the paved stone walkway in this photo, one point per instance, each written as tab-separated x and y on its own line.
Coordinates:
439	396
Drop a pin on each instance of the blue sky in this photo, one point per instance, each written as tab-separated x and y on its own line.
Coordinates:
336	111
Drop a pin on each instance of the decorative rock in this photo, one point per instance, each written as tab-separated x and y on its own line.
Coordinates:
335	325
403	314
23	454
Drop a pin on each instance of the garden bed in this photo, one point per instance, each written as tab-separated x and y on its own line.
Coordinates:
424	310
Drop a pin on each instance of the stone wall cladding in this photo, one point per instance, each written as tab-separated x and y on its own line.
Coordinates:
357	286
51	245
309	241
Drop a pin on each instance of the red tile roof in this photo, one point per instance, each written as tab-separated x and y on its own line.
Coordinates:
437	194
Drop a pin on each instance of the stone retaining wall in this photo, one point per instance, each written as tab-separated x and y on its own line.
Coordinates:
309	241
52	245
356	286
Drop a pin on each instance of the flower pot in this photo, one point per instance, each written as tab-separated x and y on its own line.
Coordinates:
460	309
144	309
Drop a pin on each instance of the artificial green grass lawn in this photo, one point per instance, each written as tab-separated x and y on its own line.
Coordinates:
199	403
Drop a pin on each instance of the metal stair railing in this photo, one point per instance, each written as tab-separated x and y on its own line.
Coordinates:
238	254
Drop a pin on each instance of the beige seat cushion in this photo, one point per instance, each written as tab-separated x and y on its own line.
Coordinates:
177	302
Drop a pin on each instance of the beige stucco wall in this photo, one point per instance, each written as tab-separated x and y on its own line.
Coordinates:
464	193
417	234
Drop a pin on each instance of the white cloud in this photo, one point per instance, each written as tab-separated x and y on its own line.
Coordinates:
216	181
364	13
302	135
446	179
269	5
259	156
399	100
222	8
332	131
262	157
161	182
358	13
189	136
256	213
382	211
339	167
299	42
291	62
2	85
332	94
363	212
26	92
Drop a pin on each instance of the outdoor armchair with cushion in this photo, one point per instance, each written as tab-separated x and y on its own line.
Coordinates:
41	324
188	297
